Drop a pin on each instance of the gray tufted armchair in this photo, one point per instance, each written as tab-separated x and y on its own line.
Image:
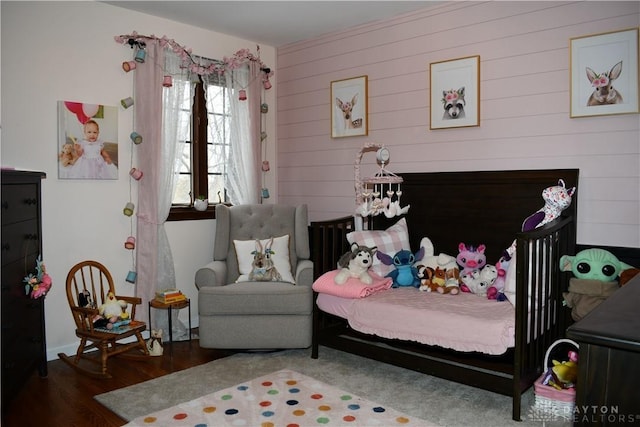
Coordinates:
256	315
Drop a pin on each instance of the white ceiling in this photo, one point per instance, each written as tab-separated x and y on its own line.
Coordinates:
274	23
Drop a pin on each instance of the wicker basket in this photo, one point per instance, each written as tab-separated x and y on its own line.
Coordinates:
548	399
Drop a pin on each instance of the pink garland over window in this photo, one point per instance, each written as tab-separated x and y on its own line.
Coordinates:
240	58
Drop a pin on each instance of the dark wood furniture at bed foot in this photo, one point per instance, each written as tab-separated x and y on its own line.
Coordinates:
23	338
609	360
476	207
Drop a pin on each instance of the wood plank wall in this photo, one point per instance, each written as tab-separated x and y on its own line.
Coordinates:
524	124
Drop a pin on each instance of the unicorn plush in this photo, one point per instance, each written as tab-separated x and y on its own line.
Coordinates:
556	199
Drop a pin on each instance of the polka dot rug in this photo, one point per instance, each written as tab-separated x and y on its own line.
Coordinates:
281	399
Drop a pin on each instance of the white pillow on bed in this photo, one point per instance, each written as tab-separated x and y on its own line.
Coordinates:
389	241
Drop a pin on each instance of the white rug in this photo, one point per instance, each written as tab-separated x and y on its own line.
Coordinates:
439	401
282	398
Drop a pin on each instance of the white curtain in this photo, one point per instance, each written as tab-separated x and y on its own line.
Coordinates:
158	119
243	174
174	123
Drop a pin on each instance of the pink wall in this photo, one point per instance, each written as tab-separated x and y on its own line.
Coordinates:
524	123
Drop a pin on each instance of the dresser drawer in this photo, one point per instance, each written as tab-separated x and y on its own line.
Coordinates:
14	272
23	313
19	202
19	240
19	360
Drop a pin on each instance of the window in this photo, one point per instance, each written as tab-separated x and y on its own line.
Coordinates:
203	147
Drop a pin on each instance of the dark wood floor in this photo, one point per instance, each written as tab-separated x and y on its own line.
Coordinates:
65	397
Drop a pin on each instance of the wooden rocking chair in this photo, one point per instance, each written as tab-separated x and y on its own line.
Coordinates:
88	285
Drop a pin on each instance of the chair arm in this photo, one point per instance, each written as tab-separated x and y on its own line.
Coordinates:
86	316
134	301
130	300
212	274
85	311
304	272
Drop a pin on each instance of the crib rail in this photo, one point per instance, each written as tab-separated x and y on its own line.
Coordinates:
540	317
328	240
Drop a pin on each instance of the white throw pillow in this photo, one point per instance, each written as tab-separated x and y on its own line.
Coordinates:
280	257
389	241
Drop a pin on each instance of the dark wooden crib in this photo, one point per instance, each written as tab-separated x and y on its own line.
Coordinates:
472	207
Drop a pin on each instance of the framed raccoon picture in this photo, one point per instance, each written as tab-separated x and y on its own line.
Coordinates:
455	93
604	74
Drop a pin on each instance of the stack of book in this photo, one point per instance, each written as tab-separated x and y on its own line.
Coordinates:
169	296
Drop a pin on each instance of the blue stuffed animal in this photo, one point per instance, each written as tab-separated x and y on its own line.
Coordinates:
405	274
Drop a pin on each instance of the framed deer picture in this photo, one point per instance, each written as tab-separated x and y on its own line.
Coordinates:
349	107
604	74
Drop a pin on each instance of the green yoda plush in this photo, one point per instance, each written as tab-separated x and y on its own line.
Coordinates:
595	271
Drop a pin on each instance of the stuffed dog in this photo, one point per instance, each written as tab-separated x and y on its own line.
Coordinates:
356	263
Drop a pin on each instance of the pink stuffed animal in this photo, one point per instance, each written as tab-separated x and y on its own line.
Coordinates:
470	258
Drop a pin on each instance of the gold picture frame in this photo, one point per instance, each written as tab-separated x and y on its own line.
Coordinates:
455	93
349	105
604	74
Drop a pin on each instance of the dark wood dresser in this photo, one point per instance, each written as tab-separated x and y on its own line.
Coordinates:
609	361
23	328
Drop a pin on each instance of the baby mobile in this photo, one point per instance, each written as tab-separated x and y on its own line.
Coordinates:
138	43
380	193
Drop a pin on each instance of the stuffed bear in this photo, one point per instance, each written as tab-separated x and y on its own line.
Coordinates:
68	155
595	271
556	199
356	263
470	258
405	273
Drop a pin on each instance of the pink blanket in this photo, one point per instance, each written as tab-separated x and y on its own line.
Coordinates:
353	288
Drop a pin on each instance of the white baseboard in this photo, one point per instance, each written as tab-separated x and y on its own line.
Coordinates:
70	349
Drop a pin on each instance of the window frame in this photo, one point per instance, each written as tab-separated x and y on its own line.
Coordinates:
199	171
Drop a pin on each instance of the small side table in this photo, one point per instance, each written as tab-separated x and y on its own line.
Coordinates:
173	305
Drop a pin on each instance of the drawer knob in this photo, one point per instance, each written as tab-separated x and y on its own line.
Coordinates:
5	205
6	246
31	201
